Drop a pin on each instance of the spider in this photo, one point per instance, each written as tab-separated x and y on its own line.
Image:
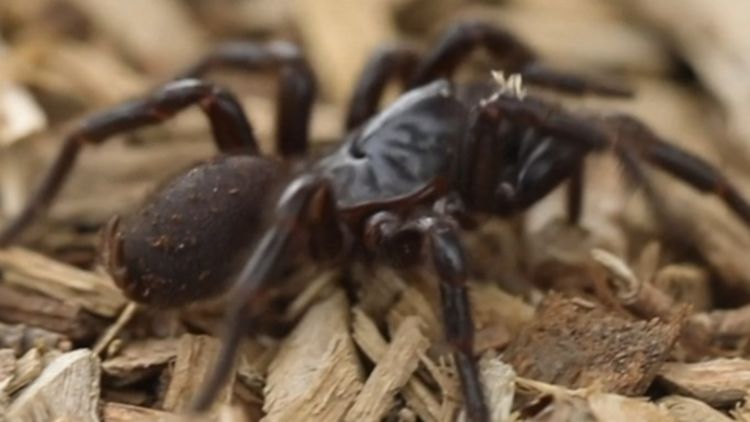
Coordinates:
399	187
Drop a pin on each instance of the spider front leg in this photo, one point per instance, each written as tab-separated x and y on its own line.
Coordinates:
297	86
463	38
637	139
307	207
405	63
231	130
438	236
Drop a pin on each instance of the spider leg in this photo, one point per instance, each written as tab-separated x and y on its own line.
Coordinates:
388	62
698	173
231	129
463	38
306	206
439	234
575	193
297	84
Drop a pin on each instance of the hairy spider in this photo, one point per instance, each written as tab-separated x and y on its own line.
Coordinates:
395	188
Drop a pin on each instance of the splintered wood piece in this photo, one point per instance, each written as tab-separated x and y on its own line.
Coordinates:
316	373
28	367
393	371
67	388
560	404
119	412
35	309
196	357
418	396
685	409
141	358
7	364
719	382
139	27
93	291
577	344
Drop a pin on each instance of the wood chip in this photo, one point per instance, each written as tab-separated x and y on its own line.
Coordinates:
499	383
392	372
418	396
576	346
119	412
718	382
67	388
139	359
95	292
559	404
20	117
7	364
92	73
196	358
685	409
67	318
316	373
28	367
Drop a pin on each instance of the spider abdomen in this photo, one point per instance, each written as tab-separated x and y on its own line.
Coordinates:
187	240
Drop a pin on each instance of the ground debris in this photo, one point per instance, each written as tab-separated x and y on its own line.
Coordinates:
579	344
67	388
718	382
316	373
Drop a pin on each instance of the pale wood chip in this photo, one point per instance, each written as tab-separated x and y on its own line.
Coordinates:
392	372
37	310
556	403
316	373
67	388
28	368
95	292
119	412
140	358
417	395
718	382
685	409
196	358
7	364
